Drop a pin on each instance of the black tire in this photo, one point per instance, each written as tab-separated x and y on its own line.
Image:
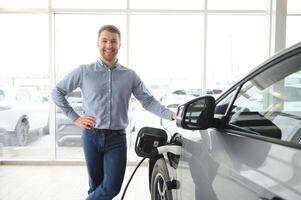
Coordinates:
22	132
159	177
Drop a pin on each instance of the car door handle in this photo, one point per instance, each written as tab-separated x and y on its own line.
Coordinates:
274	198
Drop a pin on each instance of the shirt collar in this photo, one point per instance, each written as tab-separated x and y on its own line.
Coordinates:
117	65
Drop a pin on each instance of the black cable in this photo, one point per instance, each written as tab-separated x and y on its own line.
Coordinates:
127	185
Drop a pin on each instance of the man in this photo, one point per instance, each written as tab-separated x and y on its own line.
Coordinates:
106	88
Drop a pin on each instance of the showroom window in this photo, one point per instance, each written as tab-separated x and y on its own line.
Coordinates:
24	81
167	47
202	45
236	44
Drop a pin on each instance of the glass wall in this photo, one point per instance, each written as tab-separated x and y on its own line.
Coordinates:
236	44
167	47
24	86
169	44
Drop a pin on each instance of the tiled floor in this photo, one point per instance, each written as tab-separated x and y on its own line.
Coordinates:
22	182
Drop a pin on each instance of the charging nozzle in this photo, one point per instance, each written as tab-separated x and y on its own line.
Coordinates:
174	149
153	141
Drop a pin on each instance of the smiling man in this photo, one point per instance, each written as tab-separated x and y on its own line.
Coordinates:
106	88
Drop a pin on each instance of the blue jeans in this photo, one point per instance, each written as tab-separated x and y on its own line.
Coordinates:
105	153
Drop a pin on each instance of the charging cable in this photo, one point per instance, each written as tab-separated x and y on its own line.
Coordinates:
174	149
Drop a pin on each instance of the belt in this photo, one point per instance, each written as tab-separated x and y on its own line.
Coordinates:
108	130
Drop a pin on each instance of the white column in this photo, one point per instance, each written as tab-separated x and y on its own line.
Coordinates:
277	25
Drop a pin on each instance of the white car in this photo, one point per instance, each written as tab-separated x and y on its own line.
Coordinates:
23	111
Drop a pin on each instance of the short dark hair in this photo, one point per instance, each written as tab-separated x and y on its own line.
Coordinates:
110	28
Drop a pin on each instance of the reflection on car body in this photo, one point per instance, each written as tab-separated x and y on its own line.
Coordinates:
24	113
245	145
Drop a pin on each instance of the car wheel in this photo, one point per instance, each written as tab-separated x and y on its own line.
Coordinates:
22	131
160	175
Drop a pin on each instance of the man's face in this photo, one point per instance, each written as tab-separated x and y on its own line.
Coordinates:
108	45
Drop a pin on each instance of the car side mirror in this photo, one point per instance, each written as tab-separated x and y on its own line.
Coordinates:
196	114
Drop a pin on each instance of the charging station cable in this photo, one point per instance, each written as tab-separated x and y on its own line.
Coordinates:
174	149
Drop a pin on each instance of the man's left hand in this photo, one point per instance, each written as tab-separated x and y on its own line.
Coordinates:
173	116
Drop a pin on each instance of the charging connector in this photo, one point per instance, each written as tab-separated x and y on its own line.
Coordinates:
174	149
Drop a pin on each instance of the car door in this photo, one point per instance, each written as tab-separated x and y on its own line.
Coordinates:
253	150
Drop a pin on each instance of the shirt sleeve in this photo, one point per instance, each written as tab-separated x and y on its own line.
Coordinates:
69	83
148	101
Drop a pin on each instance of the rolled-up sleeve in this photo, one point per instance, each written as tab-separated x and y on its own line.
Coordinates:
69	83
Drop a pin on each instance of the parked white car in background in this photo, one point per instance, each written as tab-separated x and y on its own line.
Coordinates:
177	96
23	111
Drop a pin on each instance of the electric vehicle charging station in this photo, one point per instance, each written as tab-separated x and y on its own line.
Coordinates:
151	142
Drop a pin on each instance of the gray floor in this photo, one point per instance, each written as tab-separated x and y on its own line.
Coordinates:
21	182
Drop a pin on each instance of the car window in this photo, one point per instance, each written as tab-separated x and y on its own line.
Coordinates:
221	107
270	104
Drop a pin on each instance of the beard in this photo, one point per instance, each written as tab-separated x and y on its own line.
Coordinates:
109	56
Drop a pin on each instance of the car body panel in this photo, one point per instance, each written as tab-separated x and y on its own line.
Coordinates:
214	163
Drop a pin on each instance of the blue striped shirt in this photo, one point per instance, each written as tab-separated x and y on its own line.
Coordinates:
106	94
